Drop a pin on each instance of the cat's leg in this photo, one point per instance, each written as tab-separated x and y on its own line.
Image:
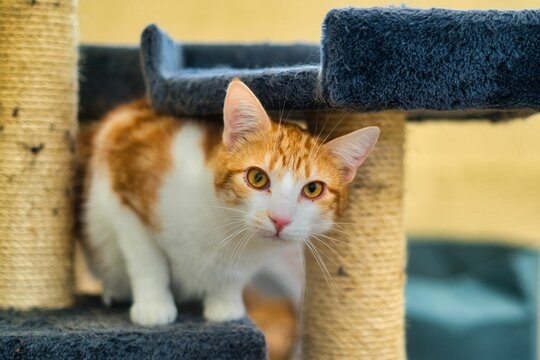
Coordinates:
147	267
103	253
224	303
116	285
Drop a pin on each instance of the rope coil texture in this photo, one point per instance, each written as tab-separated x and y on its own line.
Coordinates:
363	316
38	102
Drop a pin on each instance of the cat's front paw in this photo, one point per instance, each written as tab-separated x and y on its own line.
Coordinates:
153	313
223	311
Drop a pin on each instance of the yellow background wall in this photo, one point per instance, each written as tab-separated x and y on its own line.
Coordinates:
121	21
473	179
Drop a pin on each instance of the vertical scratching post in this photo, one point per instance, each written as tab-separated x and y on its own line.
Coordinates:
363	317
38	104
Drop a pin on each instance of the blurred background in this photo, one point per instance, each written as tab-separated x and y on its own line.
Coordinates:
470	182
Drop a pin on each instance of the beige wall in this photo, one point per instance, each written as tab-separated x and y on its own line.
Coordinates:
472	179
121	21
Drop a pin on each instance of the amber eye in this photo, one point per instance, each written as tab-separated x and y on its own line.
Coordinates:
257	179
313	189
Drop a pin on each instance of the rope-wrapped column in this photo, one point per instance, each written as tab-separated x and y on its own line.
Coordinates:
363	316
38	103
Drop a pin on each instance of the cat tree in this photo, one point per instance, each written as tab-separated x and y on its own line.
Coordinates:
38	107
370	60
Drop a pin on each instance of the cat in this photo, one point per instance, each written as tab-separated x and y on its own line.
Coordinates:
180	209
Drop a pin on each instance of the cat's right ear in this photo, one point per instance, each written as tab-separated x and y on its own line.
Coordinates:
243	114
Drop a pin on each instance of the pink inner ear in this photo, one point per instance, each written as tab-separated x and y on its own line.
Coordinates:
353	149
349	173
242	114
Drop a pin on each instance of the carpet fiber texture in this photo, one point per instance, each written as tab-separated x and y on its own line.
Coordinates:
283	77
401	58
372	59
464	64
91	331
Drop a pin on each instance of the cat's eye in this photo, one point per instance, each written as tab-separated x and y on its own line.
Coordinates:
257	179
313	189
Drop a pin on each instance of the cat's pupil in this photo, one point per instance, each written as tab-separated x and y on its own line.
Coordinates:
312	187
258	177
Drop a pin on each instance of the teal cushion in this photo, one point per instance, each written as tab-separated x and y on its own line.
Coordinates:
471	301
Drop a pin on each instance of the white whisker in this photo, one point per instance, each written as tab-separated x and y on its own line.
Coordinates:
232	261
222	243
338	255
225	208
322	266
337	240
303	271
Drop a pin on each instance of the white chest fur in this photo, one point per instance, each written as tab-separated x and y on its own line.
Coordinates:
200	250
198	230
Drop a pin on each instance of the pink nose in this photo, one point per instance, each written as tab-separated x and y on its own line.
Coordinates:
279	222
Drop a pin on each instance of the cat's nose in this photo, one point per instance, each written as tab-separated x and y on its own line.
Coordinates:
279	222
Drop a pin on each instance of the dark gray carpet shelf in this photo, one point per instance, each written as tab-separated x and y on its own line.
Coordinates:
90	331
371	59
436	63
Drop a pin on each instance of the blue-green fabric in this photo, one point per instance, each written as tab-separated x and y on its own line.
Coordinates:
471	302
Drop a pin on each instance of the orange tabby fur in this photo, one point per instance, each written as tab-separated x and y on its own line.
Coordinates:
134	141
295	149
172	211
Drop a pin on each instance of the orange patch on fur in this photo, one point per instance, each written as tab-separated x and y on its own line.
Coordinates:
277	320
286	148
134	141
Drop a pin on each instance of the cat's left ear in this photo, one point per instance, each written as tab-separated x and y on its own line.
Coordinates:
243	114
353	149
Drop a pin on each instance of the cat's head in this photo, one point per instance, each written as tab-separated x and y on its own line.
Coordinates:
285	184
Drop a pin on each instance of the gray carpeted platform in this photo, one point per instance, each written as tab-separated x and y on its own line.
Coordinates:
470	63
91	331
371	59
403	58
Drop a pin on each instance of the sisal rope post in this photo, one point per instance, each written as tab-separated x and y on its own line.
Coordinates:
363	317
38	103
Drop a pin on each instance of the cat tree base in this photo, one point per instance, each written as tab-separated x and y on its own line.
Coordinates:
90	331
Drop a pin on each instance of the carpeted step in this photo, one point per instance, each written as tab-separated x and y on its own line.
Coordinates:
91	331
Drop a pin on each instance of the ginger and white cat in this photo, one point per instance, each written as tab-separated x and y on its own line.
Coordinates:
179	209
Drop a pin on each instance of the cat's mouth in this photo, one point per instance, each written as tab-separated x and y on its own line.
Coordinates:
275	237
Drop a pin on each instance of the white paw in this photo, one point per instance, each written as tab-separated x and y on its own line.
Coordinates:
223	311
153	313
